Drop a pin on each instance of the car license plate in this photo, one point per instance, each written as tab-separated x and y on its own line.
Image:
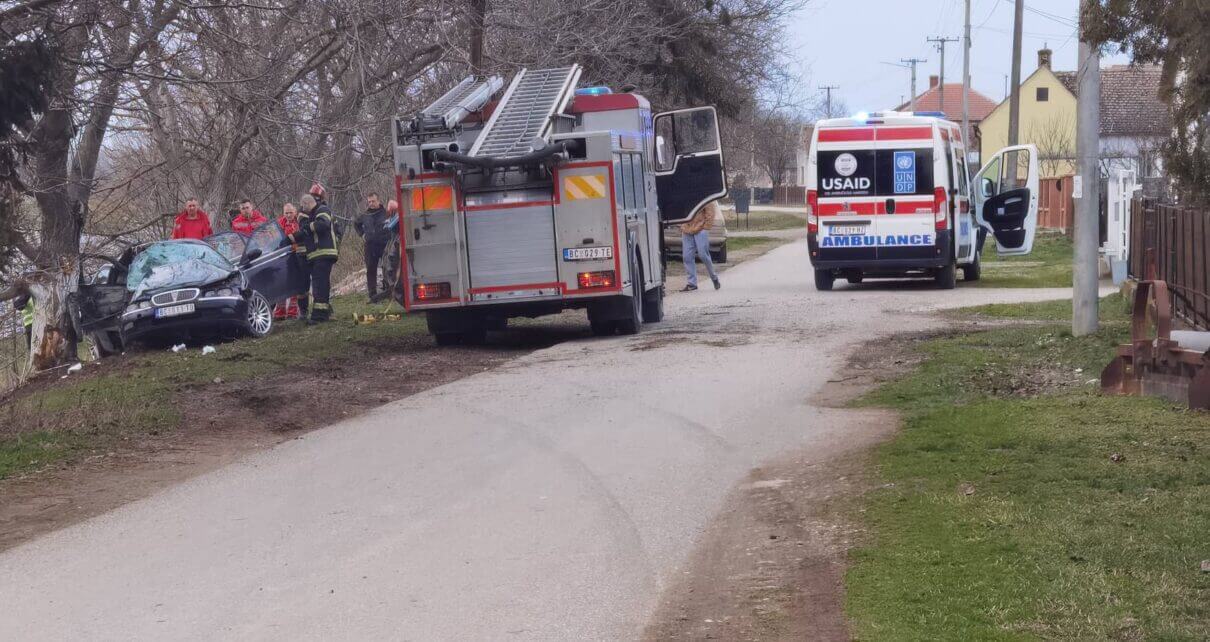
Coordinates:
846	230
587	253
173	310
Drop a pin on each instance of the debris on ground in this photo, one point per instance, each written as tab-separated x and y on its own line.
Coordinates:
208	350
178	347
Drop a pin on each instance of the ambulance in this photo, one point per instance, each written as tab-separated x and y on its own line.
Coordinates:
888	195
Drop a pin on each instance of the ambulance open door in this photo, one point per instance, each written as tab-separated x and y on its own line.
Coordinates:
688	162
1006	198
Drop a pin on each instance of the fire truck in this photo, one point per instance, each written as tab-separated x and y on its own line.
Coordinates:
539	196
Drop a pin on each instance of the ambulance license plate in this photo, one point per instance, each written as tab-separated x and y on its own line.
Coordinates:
847	230
174	310
587	253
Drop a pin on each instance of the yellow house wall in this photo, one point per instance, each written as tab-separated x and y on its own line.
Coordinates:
1050	125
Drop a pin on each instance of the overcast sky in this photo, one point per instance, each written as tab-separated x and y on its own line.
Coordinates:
846	42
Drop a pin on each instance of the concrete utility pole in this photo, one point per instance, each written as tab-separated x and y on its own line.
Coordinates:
912	62
941	42
1085	297
828	100
966	81
1014	104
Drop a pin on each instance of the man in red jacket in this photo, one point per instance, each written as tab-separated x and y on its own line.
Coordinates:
249	219
191	223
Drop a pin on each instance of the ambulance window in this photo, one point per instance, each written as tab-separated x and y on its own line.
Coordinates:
904	172
963	175
949	164
636	174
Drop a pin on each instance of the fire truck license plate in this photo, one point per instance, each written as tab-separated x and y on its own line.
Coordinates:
173	310
587	253
846	230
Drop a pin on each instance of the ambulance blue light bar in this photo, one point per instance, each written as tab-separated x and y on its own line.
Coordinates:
593	91
930	114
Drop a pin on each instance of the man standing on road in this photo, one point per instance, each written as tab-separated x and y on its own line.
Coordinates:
316	234
695	241
191	223
371	227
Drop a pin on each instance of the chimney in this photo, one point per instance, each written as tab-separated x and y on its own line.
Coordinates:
1044	56
933	81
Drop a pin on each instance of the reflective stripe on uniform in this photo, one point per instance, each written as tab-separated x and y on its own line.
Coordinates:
331	251
27	314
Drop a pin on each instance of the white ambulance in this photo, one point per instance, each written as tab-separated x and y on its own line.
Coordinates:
888	196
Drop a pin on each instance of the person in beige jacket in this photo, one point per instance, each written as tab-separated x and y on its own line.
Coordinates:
695	241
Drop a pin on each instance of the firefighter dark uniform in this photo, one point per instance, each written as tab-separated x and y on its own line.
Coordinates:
316	233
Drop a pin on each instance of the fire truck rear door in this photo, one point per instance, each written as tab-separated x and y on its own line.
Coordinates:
688	162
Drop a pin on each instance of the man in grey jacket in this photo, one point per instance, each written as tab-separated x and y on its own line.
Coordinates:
371	225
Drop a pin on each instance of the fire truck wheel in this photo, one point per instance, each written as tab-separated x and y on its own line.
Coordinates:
632	322
448	338
601	327
824	280
947	277
973	271
653	305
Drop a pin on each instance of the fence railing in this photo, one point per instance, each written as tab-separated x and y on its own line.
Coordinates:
1170	243
1056	208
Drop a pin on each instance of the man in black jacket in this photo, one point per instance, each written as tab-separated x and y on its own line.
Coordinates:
371	227
315	232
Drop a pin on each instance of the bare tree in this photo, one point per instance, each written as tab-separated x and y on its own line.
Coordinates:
1055	139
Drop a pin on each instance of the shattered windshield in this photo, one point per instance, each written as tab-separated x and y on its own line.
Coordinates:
176	264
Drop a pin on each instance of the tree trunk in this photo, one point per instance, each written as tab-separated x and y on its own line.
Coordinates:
54	337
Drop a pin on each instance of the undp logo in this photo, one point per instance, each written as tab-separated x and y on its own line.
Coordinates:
904	161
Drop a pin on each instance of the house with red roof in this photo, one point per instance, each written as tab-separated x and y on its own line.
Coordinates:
947	99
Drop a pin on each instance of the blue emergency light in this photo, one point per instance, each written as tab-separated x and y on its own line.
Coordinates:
593	91
930	114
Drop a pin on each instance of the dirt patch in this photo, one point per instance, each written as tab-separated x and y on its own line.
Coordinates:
868	369
771	564
223	421
657	341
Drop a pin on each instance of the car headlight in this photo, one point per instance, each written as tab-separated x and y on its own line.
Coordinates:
219	293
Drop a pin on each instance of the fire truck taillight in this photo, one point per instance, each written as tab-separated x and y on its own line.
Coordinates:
589	280
432	291
812	216
941	219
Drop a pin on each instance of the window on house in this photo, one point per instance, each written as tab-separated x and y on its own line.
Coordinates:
1043	94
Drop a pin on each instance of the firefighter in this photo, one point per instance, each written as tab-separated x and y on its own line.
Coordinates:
315	232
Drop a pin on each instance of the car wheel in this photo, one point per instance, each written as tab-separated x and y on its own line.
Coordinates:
722	253
260	316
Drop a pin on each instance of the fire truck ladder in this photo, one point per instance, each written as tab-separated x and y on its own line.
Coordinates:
468	96
526	111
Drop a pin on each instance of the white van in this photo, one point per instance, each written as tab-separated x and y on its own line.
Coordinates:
888	196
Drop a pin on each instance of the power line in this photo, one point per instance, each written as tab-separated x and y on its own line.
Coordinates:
941	42
828	103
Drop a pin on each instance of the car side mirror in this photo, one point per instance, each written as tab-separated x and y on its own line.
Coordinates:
987	187
251	256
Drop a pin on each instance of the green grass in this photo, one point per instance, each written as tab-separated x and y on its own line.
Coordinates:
1047	266
137	397
1113	309
1056	541
765	221
738	243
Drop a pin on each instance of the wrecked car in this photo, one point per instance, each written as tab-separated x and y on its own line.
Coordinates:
169	291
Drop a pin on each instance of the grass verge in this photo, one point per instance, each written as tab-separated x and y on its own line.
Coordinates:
765	221
740	243
1020	503
57	420
1047	266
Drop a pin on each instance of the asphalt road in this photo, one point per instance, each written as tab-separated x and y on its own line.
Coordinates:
551	499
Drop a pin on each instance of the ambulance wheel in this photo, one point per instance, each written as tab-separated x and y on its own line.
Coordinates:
824	280
947	277
973	271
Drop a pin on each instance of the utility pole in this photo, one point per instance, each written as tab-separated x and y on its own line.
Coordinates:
941	42
912	62
1085	297
966	82
1014	102
828	100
